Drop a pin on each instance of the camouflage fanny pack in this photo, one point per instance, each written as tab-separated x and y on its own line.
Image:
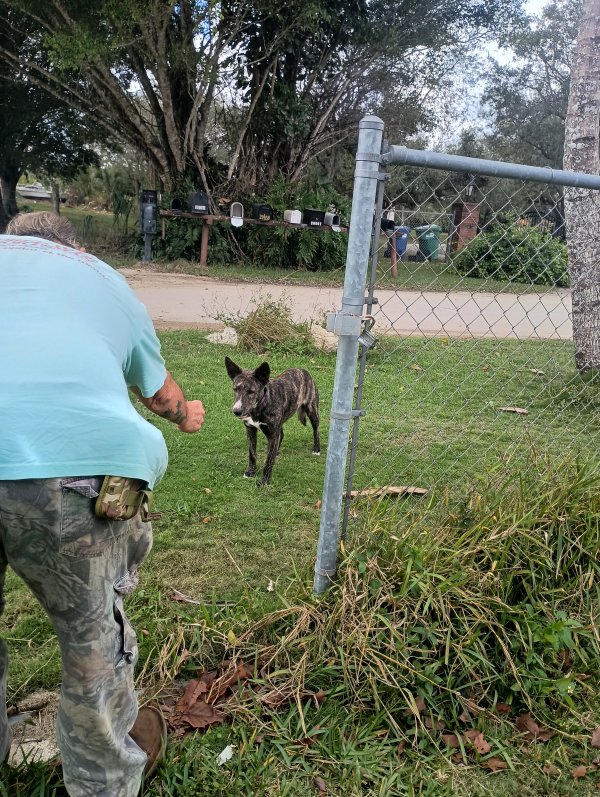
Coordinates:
121	498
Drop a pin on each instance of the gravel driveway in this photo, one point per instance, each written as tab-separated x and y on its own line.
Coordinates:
177	301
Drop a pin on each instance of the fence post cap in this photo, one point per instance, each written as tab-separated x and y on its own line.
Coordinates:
371	122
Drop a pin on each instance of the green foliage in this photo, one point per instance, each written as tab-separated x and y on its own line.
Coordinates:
517	253
270	247
284	247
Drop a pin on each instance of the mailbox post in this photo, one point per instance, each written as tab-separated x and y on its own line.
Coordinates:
148	220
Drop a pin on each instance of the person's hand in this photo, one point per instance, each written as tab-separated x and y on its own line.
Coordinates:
195	417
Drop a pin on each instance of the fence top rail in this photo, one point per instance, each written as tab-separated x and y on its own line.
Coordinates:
398	155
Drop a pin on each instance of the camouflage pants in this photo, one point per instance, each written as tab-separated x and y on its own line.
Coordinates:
79	567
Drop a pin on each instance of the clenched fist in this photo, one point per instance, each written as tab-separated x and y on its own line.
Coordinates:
194	418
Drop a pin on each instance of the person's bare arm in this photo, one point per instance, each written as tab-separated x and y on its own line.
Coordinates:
170	403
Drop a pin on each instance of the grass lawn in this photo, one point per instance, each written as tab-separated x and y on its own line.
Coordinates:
433	416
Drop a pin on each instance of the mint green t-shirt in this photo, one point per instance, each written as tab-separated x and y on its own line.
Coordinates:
73	337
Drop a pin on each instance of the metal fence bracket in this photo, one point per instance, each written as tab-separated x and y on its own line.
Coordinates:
341	323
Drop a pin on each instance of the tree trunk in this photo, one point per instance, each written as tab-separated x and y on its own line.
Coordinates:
582	206
3	214
8	187
55	197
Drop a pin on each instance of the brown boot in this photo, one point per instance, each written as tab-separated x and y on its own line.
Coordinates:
150	733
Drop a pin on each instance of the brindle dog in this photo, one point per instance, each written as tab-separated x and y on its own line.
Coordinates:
266	404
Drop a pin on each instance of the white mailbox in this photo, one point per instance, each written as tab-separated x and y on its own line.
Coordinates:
332	220
292	216
236	214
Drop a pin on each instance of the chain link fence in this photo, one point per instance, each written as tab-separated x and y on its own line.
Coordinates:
474	363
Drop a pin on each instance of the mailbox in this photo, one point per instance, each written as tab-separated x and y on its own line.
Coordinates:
332	220
148	211
263	212
292	216
198	203
236	214
313	218
176	206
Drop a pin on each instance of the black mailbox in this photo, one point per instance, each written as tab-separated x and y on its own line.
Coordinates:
148	211
198	203
176	206
263	212
313	218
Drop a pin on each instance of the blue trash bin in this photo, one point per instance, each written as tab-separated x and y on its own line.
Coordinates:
401	234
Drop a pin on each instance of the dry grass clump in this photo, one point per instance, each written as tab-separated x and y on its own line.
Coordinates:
269	326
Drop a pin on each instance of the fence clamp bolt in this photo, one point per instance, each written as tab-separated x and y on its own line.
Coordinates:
366	339
343	323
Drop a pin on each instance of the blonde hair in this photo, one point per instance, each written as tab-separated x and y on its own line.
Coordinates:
44	224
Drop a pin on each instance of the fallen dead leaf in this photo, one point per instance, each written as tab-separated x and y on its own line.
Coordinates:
401	747
518	410
208	491
179	596
420	704
415	367
430	723
545	735
318	504
502	708
321	785
277	697
579	772
494	764
550	769
450	740
319	697
206	519
596	739
477	740
531	730
199	716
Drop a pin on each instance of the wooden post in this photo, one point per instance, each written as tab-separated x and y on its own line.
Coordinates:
204	243
393	256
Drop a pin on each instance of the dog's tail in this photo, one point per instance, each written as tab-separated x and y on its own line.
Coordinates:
302	415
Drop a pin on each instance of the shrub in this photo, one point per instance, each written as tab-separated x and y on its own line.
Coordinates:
271	247
517	253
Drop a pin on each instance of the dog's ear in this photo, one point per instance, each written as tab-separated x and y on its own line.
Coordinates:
262	373
232	369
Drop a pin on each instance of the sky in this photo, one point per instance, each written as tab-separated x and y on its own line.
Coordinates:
468	112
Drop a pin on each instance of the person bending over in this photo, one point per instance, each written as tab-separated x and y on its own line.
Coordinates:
74	339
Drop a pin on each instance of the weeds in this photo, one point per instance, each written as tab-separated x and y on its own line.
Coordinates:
269	327
497	604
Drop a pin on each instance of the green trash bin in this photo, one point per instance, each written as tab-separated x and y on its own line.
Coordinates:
428	237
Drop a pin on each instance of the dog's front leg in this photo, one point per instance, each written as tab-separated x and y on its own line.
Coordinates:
274	438
251	470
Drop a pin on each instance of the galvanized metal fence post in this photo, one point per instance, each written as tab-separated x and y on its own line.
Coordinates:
347	324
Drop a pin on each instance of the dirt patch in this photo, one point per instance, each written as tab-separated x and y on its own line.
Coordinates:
33	728
203	326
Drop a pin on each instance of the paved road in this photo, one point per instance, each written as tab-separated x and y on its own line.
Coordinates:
177	300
